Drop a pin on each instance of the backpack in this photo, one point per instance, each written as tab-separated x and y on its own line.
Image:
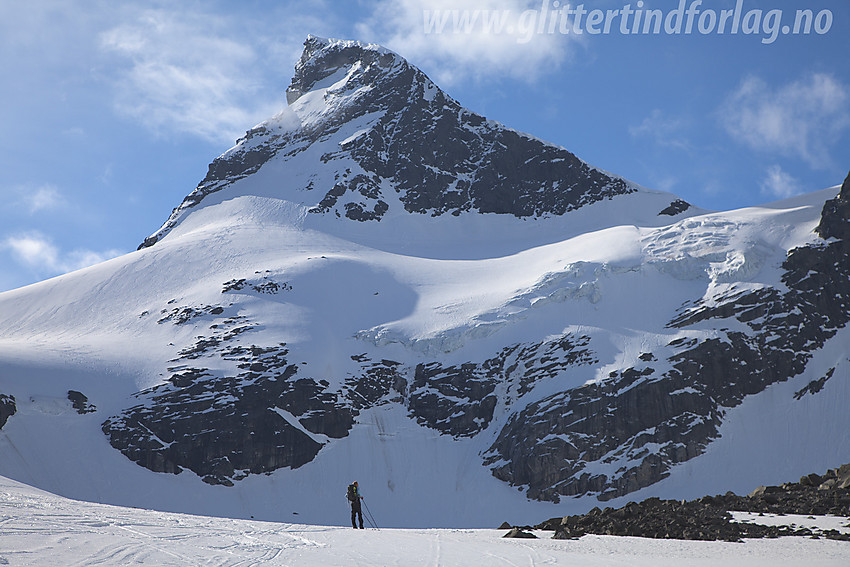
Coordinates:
352	493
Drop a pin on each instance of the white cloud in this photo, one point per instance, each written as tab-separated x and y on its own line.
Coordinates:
497	37
800	119
37	252
779	184
43	198
32	198
190	73
211	70
33	250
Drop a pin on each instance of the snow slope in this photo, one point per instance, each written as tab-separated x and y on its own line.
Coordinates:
37	528
86	331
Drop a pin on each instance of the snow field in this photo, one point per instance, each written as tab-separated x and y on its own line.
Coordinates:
39	529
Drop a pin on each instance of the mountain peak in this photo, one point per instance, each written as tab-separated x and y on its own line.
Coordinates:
323	57
368	136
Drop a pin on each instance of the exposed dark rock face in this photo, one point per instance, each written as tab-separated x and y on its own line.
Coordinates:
835	221
456	161
378	381
815	386
548	445
457	400
435	155
460	400
676	207
709	519
80	402
224	332
226	427
7	408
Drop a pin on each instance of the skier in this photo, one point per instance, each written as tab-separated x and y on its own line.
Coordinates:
354	499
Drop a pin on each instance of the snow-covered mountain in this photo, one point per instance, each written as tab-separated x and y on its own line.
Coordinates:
380	284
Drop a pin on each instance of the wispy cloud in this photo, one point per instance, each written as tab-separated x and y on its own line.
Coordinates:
780	184
190	73
33	198
470	38
801	119
37	252
45	197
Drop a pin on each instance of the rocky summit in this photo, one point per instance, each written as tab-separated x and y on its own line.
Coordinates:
381	284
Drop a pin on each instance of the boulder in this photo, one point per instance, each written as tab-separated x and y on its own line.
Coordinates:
519	533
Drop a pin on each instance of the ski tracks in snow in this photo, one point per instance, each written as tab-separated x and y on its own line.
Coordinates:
41	530
38	529
436	550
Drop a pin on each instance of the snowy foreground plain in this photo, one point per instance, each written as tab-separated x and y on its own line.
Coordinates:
38	528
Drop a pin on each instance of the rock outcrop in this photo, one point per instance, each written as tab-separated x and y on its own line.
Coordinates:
7	408
708	518
224	428
80	402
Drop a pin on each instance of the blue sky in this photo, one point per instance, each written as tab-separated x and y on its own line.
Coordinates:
111	111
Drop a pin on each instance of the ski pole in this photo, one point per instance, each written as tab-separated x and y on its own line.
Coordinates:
370	516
